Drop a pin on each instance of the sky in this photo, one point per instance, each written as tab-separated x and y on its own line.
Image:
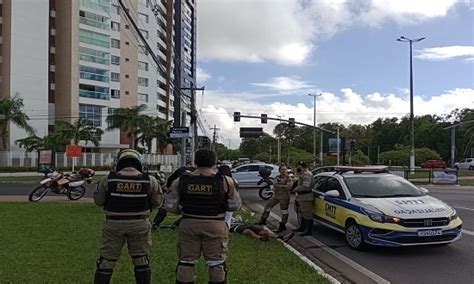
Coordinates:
266	56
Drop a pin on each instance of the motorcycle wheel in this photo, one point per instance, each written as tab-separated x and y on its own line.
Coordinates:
265	193
76	193
38	193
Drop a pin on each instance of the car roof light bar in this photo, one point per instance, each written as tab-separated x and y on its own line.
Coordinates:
358	170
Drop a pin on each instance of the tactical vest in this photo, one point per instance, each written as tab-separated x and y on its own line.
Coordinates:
202	195
127	193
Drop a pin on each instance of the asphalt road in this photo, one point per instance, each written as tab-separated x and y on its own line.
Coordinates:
447	264
444	264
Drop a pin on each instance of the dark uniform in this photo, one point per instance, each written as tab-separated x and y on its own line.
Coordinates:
127	197
305	200
202	197
282	193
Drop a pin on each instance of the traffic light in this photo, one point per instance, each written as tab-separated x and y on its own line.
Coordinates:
237	116
263	118
291	122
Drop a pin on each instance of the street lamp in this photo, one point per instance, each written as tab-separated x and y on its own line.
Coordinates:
314	130
412	150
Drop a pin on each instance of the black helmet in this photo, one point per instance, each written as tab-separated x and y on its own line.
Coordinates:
128	158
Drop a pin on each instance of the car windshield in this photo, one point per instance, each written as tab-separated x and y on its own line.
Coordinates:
380	187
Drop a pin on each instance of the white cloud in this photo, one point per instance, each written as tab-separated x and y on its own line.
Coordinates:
446	52
285	84
202	75
287	31
349	107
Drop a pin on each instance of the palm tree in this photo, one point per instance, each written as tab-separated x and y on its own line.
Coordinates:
154	128
11	112
31	143
81	130
128	120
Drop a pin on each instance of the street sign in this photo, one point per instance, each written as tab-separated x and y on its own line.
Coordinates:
179	132
45	160
251	132
74	151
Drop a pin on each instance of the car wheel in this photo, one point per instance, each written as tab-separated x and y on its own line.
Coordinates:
354	237
471	168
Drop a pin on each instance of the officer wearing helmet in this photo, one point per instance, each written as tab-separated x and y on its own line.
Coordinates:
127	196
304	198
202	198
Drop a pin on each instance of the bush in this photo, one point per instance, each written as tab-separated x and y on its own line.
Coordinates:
401	156
359	159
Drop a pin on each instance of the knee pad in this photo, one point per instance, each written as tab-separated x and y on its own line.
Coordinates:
105	264
284	212
140	260
185	271
217	272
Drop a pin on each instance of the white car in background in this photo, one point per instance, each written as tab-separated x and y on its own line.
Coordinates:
247	175
465	164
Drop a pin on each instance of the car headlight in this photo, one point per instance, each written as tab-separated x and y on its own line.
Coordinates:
453	215
380	217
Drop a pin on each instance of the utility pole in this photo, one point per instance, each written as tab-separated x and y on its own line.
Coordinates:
183	141
193	126
314	130
279	144
270	154
214	137
378	155
338	147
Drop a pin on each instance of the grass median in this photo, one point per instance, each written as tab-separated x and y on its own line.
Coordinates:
58	243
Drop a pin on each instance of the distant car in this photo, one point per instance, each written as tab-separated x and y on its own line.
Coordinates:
465	164
371	206
247	175
434	164
323	170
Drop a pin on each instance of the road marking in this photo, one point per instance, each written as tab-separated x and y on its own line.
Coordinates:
375	277
470	233
464	208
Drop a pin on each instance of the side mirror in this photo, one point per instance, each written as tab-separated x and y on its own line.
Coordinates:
333	193
424	190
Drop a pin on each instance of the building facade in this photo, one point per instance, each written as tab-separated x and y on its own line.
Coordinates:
84	58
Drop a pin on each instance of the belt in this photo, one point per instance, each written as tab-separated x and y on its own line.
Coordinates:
304	192
204	218
125	217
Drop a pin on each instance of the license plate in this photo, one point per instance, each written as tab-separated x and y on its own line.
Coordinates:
430	233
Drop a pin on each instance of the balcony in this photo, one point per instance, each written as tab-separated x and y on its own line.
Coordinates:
94	95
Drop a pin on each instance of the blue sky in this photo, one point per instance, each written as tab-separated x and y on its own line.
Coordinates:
270	55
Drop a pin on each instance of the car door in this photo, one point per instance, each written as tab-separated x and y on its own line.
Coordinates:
468	163
253	175
331	208
318	190
240	174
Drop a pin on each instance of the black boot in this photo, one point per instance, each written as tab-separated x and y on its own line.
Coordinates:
102	276
309	228
302	226
281	228
143	274
263	220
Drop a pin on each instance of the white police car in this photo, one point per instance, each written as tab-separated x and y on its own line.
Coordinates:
371	206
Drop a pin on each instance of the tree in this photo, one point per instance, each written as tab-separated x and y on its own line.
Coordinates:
154	128
81	130
31	143
54	141
11	112
128	120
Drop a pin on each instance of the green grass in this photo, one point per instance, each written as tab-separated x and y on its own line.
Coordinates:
466	173
59	243
467	182
34	179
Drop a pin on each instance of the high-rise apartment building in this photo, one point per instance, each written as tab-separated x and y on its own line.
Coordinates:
83	58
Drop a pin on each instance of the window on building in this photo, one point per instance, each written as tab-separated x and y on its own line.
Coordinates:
115	9
143	17
110	111
144	33
162	109
94	38
161	97
142	49
142	97
94	92
115	60
94	20
91	112
115	26
99	5
115	77
142	65
95	74
114	93
143	82
115	43
92	55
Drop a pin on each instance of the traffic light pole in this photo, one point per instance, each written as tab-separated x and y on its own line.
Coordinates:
286	120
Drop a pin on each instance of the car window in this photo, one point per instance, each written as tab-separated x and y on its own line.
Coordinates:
242	169
462	161
381	186
468	160
318	183
269	168
334	184
254	168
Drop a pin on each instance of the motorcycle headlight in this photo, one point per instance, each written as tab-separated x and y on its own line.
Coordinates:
380	217
453	215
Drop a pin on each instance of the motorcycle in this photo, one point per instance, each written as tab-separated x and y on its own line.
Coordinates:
265	184
161	178
72	185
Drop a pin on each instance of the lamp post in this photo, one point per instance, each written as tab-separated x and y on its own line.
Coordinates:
279	145
412	147
315	123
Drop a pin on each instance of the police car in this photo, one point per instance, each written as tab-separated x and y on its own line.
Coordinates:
371	206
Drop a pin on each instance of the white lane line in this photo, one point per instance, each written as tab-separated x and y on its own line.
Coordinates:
470	233
464	208
350	262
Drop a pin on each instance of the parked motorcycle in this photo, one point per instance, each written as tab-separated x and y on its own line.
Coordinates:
161	178
72	185
265	184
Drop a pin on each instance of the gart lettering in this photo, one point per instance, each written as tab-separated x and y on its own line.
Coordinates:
129	187
200	188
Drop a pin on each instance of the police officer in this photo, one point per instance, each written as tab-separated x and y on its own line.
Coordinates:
202	197
282	193
304	198
127	196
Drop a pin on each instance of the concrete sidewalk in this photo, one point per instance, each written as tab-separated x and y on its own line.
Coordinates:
57	199
32	174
